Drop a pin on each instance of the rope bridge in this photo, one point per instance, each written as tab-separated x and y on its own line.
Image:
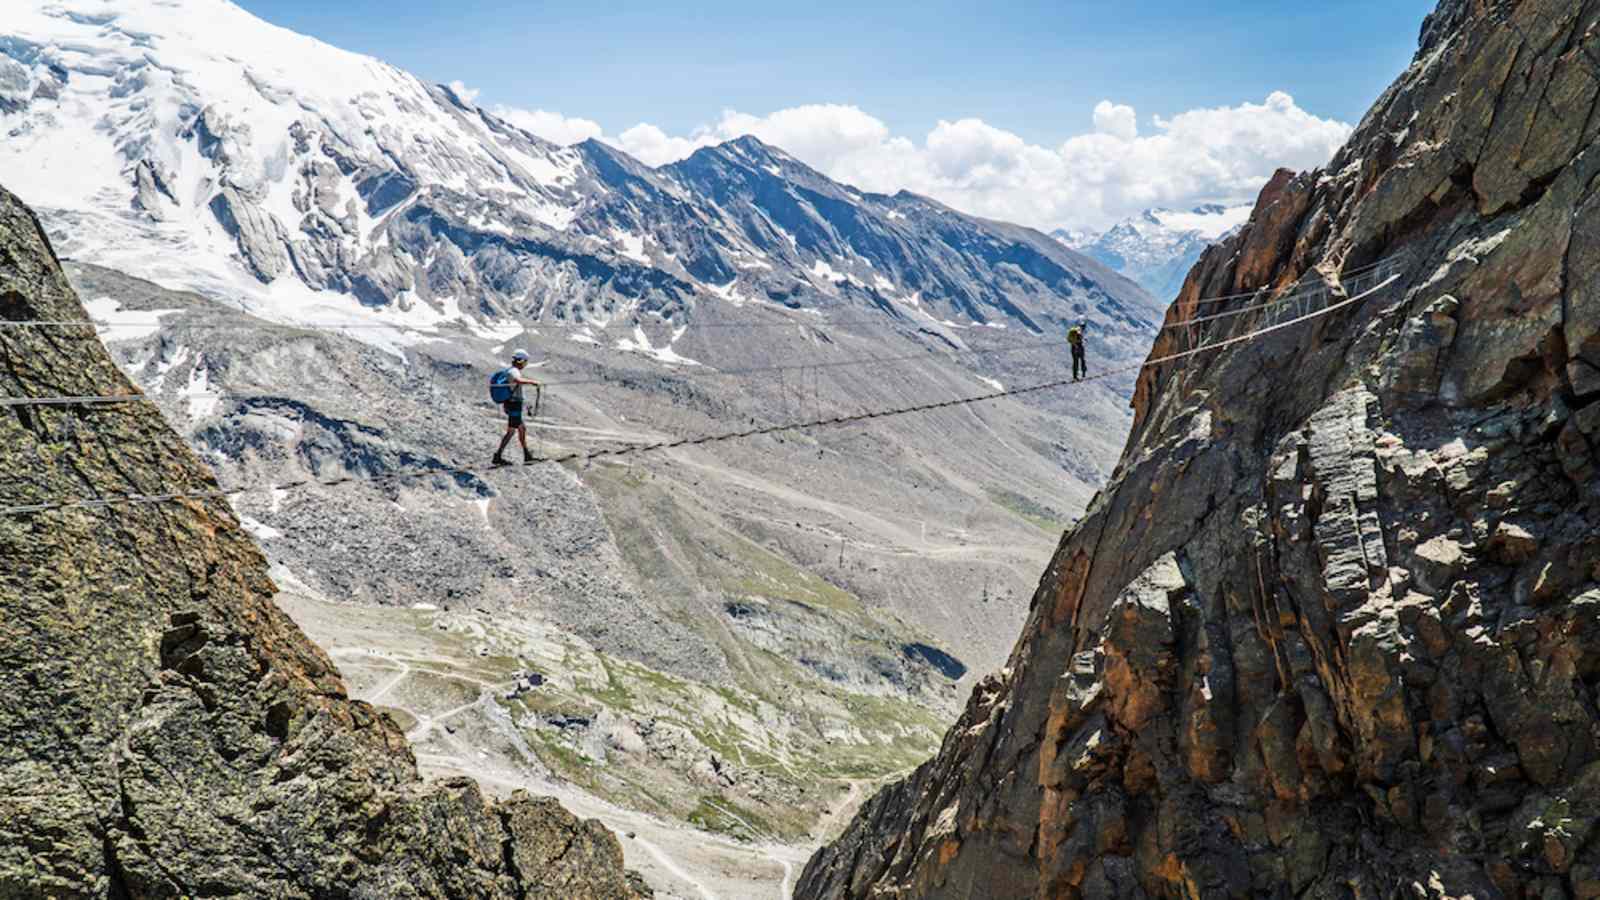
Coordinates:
1375	279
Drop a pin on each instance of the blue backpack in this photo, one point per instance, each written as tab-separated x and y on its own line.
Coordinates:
500	386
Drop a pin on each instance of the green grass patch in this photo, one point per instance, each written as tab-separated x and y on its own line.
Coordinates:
719	558
768	575
615	693
737	699
629	685
658	682
553	751
550	703
720	815
1042	517
405	720
432	693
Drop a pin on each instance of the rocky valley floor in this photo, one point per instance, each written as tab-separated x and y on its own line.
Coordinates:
721	651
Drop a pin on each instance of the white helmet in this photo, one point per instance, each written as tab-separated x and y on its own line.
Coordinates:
520	356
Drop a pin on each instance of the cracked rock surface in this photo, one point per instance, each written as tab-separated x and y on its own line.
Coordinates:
165	730
1333	629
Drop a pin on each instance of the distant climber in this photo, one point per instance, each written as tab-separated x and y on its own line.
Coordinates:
505	388
1080	367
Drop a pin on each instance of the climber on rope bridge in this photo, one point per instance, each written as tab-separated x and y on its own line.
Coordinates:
505	388
1080	366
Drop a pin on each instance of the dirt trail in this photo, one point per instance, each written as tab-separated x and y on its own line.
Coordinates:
667	863
841	812
631	437
426	721
786	890
380	693
674	858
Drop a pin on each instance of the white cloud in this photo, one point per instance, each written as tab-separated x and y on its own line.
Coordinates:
1117	120
551	126
654	147
822	135
467	94
1223	155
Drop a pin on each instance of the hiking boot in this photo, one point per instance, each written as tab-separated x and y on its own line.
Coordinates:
527	457
499	461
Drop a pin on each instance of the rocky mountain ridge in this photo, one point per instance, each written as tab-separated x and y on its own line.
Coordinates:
1334	634
296	177
167	730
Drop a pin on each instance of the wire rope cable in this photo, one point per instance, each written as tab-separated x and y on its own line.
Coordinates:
138	498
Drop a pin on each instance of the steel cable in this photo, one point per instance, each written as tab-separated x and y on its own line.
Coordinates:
575	456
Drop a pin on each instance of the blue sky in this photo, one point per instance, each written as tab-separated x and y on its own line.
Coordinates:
1076	113
1034	68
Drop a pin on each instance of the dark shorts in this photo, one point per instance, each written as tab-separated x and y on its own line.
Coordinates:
513	410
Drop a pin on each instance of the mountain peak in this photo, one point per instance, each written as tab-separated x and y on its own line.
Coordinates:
747	149
1157	247
749	143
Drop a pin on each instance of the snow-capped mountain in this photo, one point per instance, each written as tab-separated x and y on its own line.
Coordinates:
189	142
1158	247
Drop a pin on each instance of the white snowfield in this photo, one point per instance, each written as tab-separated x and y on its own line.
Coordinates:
1158	231
1209	222
209	98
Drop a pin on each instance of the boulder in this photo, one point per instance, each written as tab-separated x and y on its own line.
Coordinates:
1511	544
1435	564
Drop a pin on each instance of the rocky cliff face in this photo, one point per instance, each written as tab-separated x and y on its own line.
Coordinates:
166	730
1333	630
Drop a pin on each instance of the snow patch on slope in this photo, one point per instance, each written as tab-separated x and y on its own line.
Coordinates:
203	401
1158	247
260	530
728	292
124	324
1209	222
632	245
640	343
